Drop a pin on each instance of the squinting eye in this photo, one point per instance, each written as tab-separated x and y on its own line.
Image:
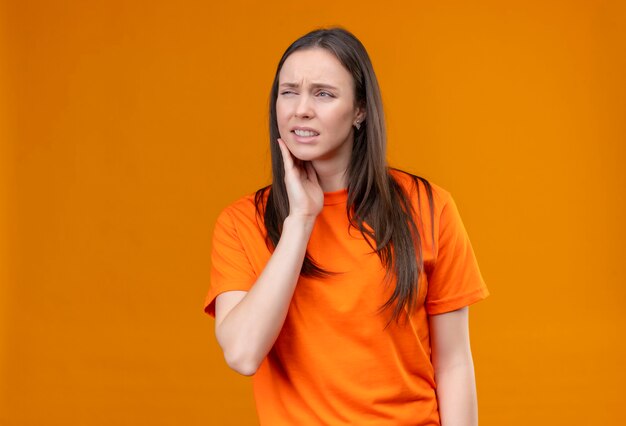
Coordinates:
286	92
326	93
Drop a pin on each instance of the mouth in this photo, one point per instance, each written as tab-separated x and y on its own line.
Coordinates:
304	135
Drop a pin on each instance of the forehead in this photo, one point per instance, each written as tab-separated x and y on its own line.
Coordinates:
314	65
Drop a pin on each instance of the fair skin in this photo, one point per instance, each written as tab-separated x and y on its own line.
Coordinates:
451	356
316	92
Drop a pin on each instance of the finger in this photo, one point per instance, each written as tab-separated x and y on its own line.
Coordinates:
287	159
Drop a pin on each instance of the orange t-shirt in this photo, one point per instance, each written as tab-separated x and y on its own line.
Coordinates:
332	363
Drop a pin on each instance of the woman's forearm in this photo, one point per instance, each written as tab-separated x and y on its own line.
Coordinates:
456	395
250	329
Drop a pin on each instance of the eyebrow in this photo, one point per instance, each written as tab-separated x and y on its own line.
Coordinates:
314	85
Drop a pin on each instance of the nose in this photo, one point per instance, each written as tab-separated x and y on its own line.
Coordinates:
303	107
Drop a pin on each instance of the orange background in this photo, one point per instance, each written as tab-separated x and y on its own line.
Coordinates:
127	126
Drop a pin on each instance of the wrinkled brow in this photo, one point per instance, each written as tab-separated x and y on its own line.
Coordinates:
314	85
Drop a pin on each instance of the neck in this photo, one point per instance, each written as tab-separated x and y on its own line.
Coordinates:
331	180
332	172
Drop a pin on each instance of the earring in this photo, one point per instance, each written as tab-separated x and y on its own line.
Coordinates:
357	125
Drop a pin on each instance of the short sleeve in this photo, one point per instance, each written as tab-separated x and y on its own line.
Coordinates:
455	280
230	267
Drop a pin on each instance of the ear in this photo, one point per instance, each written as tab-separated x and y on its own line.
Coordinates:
361	114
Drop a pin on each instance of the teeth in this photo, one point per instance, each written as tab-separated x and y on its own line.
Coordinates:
306	133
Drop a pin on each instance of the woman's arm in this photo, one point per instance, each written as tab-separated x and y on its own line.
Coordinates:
454	368
248	323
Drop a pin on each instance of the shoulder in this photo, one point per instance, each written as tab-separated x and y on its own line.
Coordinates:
421	188
247	203
244	211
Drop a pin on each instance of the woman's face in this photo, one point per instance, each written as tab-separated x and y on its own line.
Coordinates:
315	107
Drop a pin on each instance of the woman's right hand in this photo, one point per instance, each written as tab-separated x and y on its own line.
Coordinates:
306	197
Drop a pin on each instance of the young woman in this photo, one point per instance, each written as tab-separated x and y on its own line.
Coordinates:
343	286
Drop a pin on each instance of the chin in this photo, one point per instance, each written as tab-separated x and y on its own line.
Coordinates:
306	154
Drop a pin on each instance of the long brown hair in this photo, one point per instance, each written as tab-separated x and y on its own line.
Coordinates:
375	198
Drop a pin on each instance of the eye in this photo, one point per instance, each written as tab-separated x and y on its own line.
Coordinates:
286	92
327	94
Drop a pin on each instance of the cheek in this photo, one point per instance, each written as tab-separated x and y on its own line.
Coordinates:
281	113
340	121
282	120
